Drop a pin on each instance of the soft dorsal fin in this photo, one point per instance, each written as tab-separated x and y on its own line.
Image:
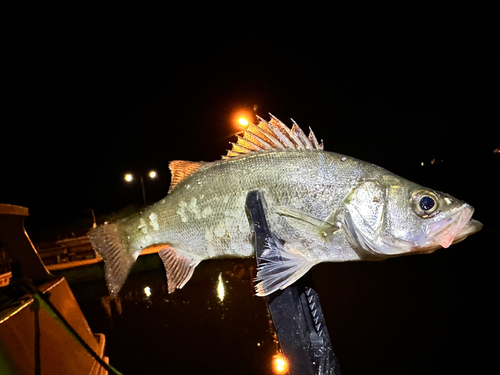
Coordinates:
272	135
180	169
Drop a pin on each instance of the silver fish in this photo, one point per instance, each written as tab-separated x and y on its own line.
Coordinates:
326	207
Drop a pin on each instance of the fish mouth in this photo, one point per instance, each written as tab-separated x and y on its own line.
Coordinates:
471	227
451	231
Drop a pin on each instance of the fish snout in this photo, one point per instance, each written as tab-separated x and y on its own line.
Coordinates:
457	227
450	230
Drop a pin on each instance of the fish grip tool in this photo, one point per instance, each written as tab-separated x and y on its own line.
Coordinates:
296	311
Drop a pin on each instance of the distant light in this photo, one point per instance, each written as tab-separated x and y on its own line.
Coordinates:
422	164
129	177
220	288
496	151
147	291
280	365
153	174
242	118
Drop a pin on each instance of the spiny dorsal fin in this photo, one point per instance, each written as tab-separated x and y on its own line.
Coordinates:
272	135
180	169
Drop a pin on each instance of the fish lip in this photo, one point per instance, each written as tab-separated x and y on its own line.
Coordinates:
447	235
471	226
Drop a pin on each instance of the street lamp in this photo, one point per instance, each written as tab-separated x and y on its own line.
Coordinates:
242	118
129	177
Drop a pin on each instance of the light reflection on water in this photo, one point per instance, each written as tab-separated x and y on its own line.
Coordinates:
280	364
220	288
214	324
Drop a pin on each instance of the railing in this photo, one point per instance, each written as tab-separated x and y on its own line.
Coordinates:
67	250
58	252
4	261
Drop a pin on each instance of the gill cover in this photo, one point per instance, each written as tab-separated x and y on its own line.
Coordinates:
366	220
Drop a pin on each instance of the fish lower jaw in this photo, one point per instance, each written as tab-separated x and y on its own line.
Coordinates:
427	249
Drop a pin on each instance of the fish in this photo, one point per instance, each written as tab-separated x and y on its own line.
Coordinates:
322	206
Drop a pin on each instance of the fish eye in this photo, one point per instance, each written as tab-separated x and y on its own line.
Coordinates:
424	203
427	203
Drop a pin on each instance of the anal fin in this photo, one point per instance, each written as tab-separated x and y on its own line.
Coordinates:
179	269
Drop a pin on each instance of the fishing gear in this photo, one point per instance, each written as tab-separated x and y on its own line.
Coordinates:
296	310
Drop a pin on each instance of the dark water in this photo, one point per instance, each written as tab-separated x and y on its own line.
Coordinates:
424	314
216	325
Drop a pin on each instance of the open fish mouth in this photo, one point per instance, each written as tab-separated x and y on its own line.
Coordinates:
471	227
451	231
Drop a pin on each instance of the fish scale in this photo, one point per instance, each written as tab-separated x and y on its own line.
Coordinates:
184	235
323	206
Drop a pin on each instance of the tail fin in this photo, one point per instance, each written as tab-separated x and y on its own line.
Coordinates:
107	241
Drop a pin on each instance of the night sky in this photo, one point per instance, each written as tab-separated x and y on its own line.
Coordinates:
92	91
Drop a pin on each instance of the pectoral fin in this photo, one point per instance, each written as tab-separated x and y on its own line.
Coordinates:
311	225
279	266
179	269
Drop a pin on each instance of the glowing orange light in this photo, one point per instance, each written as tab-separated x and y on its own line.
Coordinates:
280	365
242	118
129	177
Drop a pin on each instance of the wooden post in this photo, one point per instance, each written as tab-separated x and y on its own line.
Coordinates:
19	246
